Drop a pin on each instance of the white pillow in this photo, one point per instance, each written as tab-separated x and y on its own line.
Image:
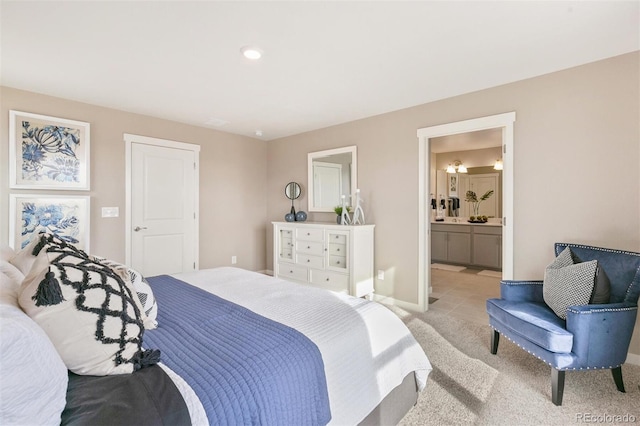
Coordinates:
6	252
66	296
10	280
24	259
34	378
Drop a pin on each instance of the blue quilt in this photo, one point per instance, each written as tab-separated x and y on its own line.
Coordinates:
246	369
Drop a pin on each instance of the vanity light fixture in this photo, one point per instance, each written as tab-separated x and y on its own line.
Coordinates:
251	52
498	164
457	165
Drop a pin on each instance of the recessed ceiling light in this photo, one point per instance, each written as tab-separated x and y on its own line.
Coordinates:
252	53
259	133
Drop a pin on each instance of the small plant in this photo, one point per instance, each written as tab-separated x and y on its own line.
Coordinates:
473	199
338	210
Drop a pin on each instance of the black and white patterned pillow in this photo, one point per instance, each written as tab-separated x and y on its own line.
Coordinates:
86	309
570	282
146	301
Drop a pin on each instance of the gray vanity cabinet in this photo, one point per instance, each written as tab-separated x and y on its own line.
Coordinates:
487	247
473	245
451	243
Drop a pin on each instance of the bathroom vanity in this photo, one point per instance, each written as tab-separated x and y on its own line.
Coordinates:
469	244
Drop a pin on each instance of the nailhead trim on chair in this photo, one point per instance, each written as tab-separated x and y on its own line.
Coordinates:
632	308
549	364
522	282
600	249
629	288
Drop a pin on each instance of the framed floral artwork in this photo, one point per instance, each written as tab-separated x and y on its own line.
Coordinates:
66	216
48	152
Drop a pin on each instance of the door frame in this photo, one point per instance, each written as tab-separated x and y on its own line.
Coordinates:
504	121
129	140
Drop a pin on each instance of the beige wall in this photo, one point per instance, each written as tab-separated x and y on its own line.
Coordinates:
233	173
577	156
576	150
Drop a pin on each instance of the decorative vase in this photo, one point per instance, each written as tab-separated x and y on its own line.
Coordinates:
338	219
289	217
301	216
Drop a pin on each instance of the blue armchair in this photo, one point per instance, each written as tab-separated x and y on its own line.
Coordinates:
592	337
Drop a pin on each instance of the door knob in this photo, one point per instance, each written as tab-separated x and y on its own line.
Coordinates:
139	228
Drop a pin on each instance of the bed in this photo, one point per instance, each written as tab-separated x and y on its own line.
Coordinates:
240	347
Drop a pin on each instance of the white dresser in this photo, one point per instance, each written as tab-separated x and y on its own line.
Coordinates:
330	256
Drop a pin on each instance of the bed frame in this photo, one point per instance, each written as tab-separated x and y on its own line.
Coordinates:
395	405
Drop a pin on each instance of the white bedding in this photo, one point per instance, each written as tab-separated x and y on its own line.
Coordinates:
366	349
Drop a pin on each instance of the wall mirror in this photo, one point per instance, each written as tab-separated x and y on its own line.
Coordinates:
292	191
332	174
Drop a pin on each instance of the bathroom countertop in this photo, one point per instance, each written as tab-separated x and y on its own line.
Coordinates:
465	222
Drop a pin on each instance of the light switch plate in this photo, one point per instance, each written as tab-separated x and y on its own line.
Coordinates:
110	212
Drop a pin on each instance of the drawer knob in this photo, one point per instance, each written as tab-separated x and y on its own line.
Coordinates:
337	249
291	272
308	260
327	278
308	233
308	247
338	262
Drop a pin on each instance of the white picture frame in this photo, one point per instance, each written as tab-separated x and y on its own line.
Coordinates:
67	216
453	182
48	152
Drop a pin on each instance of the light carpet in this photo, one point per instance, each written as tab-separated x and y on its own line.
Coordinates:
468	385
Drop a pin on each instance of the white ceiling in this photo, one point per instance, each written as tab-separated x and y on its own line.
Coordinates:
324	63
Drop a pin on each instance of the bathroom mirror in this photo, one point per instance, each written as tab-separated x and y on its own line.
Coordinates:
332	174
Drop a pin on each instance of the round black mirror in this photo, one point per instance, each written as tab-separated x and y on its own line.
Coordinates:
292	190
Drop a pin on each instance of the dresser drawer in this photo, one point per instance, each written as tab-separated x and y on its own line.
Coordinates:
310	247
330	281
310	234
337	249
286	243
310	261
337	238
293	272
286	253
338	262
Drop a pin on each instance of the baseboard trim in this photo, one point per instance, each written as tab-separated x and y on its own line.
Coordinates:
395	302
633	359
266	272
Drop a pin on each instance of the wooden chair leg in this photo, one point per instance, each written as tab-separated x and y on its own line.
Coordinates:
557	386
495	338
617	377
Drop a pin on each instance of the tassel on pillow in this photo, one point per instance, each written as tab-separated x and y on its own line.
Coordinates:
49	291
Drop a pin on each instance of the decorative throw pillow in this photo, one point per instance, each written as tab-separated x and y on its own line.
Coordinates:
86	309
24	259
146	300
570	282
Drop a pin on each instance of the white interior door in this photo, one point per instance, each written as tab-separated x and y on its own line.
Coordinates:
327	178
163	224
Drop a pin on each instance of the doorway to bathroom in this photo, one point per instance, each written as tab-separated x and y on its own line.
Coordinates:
501	124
